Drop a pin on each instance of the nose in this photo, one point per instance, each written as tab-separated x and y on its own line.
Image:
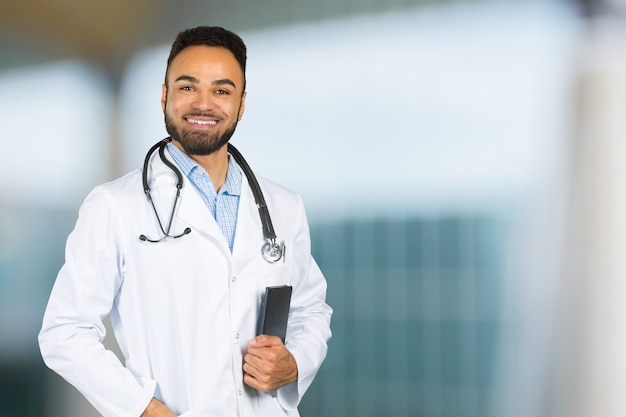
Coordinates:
203	100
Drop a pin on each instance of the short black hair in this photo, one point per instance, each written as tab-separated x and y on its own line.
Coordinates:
209	36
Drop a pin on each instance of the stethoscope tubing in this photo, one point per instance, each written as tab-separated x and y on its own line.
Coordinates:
259	199
271	250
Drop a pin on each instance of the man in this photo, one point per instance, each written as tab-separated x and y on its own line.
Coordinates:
182	288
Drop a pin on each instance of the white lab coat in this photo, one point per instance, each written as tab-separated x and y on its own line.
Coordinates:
182	310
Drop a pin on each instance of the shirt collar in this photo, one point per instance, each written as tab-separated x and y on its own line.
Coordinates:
189	167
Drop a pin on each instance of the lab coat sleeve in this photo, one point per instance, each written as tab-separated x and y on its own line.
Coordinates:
83	294
308	330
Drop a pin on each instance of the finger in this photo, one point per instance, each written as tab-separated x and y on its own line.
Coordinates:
254	363
249	369
250	380
265	355
258	352
263	365
257	378
257	384
259	368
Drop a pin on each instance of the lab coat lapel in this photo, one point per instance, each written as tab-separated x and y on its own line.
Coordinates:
191	208
249	232
194	211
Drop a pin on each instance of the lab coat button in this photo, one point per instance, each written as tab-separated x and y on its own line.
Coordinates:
237	336
239	392
233	279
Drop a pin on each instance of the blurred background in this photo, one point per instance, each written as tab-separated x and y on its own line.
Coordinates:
462	163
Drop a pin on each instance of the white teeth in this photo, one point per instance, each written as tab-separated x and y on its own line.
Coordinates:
203	122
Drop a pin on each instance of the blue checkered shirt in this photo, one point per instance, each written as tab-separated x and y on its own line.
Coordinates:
224	204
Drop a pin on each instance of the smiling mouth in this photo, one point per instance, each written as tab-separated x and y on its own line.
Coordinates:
198	122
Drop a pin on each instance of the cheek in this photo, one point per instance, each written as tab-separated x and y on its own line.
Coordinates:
175	103
235	108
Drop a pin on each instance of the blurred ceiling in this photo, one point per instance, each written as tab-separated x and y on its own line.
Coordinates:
86	28
108	32
104	32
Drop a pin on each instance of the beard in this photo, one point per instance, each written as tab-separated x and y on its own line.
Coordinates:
198	142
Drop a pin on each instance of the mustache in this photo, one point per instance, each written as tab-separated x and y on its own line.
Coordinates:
212	114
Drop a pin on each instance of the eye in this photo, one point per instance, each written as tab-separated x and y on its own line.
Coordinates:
186	88
221	92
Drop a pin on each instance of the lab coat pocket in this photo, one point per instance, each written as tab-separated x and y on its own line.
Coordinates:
268	402
277	273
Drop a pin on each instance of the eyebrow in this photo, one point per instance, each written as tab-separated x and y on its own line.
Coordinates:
187	78
216	82
224	81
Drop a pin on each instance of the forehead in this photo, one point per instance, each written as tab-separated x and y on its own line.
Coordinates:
205	63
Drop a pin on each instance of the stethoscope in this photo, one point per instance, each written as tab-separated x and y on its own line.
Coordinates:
271	250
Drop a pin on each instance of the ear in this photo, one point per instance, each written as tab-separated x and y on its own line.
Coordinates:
163	96
242	106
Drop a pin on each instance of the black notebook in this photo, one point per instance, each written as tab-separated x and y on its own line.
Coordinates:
275	311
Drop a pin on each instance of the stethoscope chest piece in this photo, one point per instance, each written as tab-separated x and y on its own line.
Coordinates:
273	251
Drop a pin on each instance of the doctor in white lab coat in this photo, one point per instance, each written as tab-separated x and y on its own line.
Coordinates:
184	311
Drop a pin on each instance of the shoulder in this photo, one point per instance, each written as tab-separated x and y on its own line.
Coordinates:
127	184
285	206
115	193
274	191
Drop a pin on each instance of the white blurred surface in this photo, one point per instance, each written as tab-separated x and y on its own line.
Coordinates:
441	106
55	132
